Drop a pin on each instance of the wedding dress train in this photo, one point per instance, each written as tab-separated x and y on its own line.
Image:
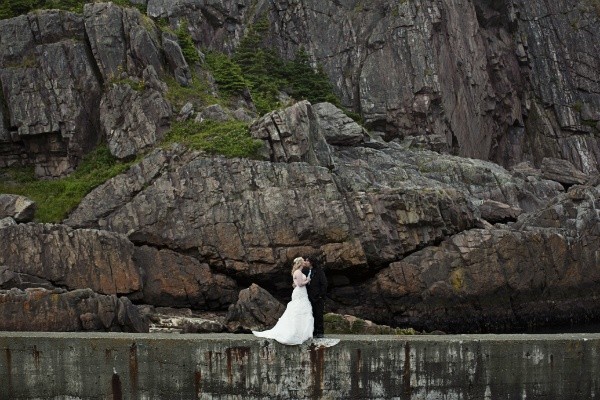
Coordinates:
295	325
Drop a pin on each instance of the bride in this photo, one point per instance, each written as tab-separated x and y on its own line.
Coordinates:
296	324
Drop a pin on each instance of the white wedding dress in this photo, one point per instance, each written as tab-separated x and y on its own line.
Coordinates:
295	325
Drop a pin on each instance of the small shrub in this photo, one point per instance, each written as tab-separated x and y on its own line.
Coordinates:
307	83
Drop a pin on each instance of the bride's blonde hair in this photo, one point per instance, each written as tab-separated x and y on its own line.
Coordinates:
298	261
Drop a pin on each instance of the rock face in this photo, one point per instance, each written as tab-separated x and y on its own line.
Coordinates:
133	121
498	279
503	81
50	90
55	67
416	219
476	73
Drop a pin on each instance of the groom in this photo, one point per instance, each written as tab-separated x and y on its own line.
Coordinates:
317	290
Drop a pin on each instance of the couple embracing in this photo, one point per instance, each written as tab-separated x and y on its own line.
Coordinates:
303	315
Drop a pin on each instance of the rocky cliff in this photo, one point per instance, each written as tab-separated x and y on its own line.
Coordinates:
467	202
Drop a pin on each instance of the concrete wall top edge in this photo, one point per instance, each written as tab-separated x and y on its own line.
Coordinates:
345	338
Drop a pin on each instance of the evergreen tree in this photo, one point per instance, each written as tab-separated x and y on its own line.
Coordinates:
187	44
227	73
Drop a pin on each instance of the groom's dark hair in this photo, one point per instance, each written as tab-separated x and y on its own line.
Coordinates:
312	259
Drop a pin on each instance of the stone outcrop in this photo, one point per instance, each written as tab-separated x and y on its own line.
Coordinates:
67	311
374	204
70	259
50	256
19	208
133	121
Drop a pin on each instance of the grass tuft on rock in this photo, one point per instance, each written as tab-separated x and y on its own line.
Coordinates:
230	139
198	93
56	198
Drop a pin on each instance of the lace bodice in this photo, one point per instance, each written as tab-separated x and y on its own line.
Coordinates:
300	279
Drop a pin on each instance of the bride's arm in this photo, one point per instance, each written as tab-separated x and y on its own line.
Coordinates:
300	279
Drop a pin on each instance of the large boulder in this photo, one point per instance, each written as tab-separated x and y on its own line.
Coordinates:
171	279
562	171
255	309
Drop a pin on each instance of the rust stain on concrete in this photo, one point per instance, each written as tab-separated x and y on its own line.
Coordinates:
355	376
133	369
406	372
117	390
237	353
317	361
8	356
198	383
107	355
36	357
209	356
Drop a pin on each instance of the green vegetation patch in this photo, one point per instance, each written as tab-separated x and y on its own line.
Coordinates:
187	44
258	69
231	138
198	92
56	198
13	8
227	73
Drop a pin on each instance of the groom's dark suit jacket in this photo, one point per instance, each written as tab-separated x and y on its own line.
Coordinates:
317	288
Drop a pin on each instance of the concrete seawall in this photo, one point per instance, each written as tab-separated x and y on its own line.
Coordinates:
225	366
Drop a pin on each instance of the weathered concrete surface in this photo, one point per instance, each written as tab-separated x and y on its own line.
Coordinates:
226	366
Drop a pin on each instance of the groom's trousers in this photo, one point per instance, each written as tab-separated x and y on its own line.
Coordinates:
318	308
